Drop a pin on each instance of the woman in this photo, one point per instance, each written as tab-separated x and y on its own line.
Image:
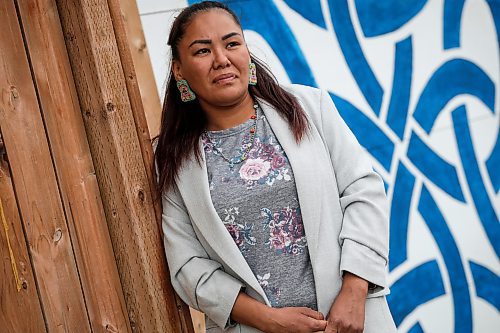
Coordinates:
273	219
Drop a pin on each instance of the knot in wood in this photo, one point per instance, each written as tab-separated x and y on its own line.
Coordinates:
142	46
14	93
110	107
57	235
141	195
110	328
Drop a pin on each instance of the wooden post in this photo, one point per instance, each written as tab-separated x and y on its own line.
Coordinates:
142	63
17	284
136	62
78	184
116	138
35	186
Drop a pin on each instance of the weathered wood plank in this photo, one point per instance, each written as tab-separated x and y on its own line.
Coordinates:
123	178
129	59
198	321
74	167
17	284
141	61
35	185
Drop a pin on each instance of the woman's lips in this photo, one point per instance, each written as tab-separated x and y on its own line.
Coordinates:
224	78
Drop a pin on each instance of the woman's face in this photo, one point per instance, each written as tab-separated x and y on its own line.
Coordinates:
213	58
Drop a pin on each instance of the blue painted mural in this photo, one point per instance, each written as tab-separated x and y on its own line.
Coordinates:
415	173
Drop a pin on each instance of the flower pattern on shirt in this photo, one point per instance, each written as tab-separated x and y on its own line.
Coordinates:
266	161
286	230
272	293
265	236
241	233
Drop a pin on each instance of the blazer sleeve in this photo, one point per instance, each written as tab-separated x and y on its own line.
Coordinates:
199	281
364	235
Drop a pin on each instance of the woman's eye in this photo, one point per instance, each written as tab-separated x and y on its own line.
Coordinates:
202	51
233	44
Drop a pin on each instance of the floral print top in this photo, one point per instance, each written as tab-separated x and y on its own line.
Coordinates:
258	204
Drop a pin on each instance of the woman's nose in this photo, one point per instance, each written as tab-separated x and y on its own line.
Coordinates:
220	59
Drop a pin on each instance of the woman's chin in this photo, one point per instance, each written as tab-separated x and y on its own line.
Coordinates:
227	97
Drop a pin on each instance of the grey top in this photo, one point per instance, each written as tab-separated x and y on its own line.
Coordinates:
258	204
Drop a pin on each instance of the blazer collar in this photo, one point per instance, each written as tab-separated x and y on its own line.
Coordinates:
194	188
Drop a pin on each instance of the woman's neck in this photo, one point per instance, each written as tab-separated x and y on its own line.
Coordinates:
223	117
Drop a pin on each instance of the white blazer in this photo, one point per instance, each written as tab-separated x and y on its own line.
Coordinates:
344	211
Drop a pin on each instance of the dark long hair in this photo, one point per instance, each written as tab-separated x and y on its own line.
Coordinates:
183	123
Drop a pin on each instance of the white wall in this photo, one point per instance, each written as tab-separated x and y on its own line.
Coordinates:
446	274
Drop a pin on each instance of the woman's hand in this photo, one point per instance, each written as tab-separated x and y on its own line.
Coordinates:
347	314
249	311
295	320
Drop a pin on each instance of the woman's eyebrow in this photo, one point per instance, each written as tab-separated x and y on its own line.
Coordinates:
209	41
229	35
201	41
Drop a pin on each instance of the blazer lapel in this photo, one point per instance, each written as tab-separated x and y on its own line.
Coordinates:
193	185
302	158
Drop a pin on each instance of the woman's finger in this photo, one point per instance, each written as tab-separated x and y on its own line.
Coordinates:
312	313
317	325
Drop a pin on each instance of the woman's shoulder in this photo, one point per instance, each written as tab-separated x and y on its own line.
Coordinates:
310	98
305	94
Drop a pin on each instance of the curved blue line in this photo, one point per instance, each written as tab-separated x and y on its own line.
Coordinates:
487	284
451	256
434	167
400	216
310	10
368	134
492	164
263	17
495	11
363	74
420	285
381	17
480	197
401	87
453	78
452	19
416	329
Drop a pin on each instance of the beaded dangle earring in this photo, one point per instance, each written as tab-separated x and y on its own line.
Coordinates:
187	94
252	74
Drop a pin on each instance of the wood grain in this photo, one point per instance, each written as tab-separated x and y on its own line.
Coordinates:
35	185
123	177
73	161
138	101
141	62
12	299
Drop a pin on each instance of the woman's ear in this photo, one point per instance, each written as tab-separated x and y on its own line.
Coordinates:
176	69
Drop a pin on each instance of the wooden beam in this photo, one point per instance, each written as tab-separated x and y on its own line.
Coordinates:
139	102
35	185
117	146
17	284
141	62
145	103
148	91
198	321
73	162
